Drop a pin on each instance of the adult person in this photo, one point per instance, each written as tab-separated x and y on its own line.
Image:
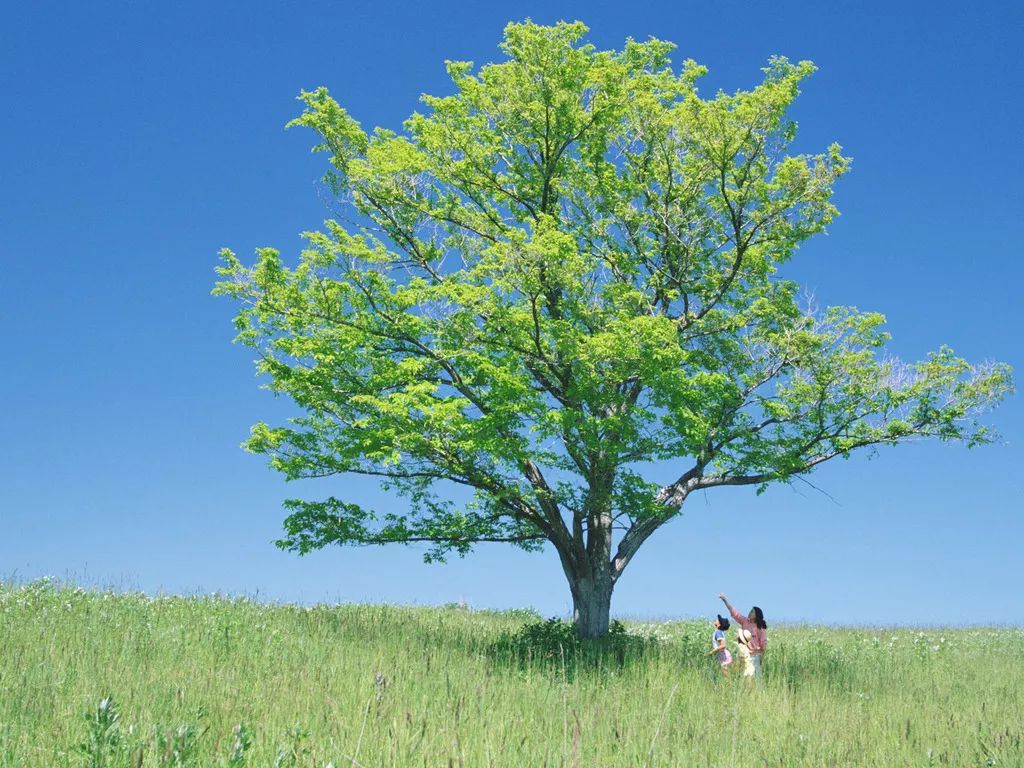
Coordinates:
753	621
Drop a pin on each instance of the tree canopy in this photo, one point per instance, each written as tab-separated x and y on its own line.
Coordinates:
559	273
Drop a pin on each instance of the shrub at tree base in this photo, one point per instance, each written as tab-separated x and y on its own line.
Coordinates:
555	646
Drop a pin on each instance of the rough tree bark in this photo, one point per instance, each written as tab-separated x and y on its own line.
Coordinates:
592	601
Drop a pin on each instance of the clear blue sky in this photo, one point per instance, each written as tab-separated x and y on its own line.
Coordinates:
140	137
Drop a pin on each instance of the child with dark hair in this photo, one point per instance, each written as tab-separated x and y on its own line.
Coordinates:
753	622
718	647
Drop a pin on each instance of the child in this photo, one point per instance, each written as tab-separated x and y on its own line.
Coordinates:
718	647
743	638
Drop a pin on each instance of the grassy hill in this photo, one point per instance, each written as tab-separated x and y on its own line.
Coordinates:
98	679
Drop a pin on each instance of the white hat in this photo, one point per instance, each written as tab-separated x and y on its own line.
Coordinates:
744	636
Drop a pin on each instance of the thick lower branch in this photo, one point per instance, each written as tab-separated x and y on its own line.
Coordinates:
671	497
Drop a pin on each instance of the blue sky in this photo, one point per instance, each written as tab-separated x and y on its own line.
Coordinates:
138	138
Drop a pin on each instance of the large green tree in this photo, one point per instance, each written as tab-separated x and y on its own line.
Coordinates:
554	277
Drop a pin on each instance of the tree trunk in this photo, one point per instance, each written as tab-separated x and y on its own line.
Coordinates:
592	603
591	579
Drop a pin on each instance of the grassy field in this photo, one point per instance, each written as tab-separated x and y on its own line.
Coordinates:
97	679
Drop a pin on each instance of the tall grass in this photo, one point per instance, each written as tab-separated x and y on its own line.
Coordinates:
97	679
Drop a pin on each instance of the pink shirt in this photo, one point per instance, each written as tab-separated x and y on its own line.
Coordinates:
758	636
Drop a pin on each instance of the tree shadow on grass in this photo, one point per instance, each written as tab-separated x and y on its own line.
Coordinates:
552	647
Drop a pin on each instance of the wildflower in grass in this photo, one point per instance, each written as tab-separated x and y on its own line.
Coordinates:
242	742
103	739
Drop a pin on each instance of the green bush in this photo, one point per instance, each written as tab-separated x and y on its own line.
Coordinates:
552	645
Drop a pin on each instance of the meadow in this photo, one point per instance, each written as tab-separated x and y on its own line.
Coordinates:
91	678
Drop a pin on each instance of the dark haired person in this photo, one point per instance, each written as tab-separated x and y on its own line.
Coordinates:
753	621
718	647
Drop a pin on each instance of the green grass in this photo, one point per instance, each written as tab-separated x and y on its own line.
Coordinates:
372	685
